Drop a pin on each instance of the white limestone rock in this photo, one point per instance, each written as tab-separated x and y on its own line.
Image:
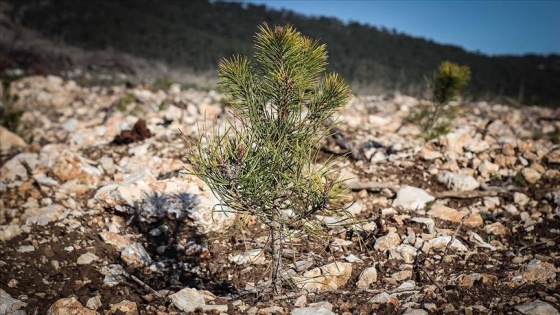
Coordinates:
458	181
412	198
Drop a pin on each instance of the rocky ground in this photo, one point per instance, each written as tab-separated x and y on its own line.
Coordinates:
99	214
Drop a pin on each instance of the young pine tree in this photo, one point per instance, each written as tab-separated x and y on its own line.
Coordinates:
265	162
445	84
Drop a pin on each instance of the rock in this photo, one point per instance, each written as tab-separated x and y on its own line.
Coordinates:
94	303
7	232
14	169
387	241
87	259
458	181
415	311
487	169
9	305
477	239
520	199
44	215
118	241
468	280
399	276
412	198
384	297
428	222
328	277
367	278
450	214
553	157
319	308
403	252
441	242
124	307
26	249
476	145
530	175
537	307
539	271
9	140
136	256
254	256
429	154
455	141
70	165
114	274
496	229
188	300
69	306
186	199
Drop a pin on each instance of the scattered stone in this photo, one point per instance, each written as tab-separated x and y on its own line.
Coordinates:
254	256
328	277
496	229
14	169
319	308
403	252
94	303
414	311
539	271
9	140
530	175
468	280
114	274
7	232
87	259
537	307
367	278
70	165
136	256
186	199
449	214
117	240
384	297
441	242
412	198
124	307
458	181
9	305
387	241
188	300
69	306
26	249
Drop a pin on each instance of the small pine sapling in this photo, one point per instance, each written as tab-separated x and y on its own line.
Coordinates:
445	85
264	163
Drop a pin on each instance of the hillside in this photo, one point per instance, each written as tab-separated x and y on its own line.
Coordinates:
98	216
196	34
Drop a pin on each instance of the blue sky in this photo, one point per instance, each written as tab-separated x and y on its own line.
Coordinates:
491	27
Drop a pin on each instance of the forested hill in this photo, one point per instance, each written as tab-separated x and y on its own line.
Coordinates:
196	34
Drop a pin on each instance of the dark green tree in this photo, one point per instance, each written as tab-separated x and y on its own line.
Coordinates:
265	162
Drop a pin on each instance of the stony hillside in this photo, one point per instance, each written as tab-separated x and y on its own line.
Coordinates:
99	214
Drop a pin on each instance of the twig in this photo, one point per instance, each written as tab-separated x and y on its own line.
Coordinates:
466	194
486	191
147	287
372	186
466	216
437	284
535	244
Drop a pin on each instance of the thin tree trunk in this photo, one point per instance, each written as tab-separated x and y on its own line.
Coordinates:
276	244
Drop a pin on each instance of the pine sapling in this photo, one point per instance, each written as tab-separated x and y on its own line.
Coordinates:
445	85
264	164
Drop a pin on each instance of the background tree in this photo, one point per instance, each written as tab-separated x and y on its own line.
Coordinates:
265	161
